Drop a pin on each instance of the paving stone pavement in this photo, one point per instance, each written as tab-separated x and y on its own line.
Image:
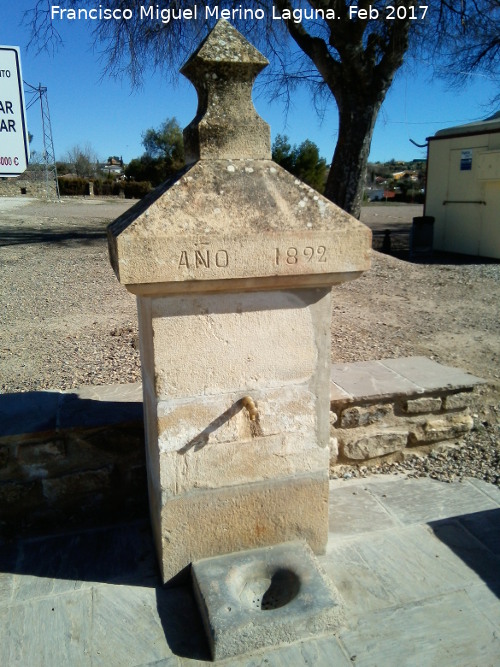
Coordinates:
417	563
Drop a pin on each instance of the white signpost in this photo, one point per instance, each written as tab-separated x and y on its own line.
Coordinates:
14	143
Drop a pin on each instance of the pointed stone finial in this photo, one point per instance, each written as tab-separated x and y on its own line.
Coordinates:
226	126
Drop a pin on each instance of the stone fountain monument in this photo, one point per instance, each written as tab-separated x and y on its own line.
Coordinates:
232	261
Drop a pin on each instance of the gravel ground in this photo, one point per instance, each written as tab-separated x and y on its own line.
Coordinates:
65	321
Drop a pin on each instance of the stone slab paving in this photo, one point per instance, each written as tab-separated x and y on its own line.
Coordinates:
411	503
28	412
430	375
369	379
405	376
443	630
416	562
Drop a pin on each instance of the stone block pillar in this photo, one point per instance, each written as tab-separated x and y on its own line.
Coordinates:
232	262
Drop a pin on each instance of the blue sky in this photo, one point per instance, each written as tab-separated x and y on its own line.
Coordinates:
111	117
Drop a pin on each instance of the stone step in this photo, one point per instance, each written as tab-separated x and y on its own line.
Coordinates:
403	376
393	407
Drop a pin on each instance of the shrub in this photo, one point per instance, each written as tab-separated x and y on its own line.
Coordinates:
73	187
79	187
136	189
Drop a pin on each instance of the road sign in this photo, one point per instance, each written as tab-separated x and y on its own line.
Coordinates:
14	142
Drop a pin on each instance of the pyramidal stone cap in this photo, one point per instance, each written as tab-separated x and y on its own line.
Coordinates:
233	219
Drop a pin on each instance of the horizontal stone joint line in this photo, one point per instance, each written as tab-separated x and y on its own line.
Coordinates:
386	509
306	477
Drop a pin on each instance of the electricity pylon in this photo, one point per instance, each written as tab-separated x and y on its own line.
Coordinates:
49	156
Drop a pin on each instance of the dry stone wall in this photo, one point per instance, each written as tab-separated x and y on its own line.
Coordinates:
366	432
393	407
71	457
29	184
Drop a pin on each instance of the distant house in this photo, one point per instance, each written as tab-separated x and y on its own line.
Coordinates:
463	188
411	175
114	166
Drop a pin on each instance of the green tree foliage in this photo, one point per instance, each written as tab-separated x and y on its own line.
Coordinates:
164	154
63	168
283	153
166	142
302	161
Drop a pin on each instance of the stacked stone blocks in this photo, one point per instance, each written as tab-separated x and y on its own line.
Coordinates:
70	455
29	184
232	262
374	422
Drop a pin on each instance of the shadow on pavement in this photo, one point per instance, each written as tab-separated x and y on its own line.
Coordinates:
475	539
21	235
182	623
118	555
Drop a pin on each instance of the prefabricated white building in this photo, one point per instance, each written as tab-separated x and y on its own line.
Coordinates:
463	188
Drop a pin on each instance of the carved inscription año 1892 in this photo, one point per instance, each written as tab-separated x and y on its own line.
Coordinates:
295	255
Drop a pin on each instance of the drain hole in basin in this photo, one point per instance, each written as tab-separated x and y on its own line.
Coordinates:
271	591
285	585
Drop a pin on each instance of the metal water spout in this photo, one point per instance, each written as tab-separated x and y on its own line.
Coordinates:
249	404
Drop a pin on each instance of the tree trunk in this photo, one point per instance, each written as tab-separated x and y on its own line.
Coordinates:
345	183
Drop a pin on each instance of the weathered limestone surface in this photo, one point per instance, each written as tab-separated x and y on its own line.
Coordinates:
458	401
428	404
243	517
434	430
364	416
233	213
232	262
207	226
232	597
226	122
372	443
274	331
